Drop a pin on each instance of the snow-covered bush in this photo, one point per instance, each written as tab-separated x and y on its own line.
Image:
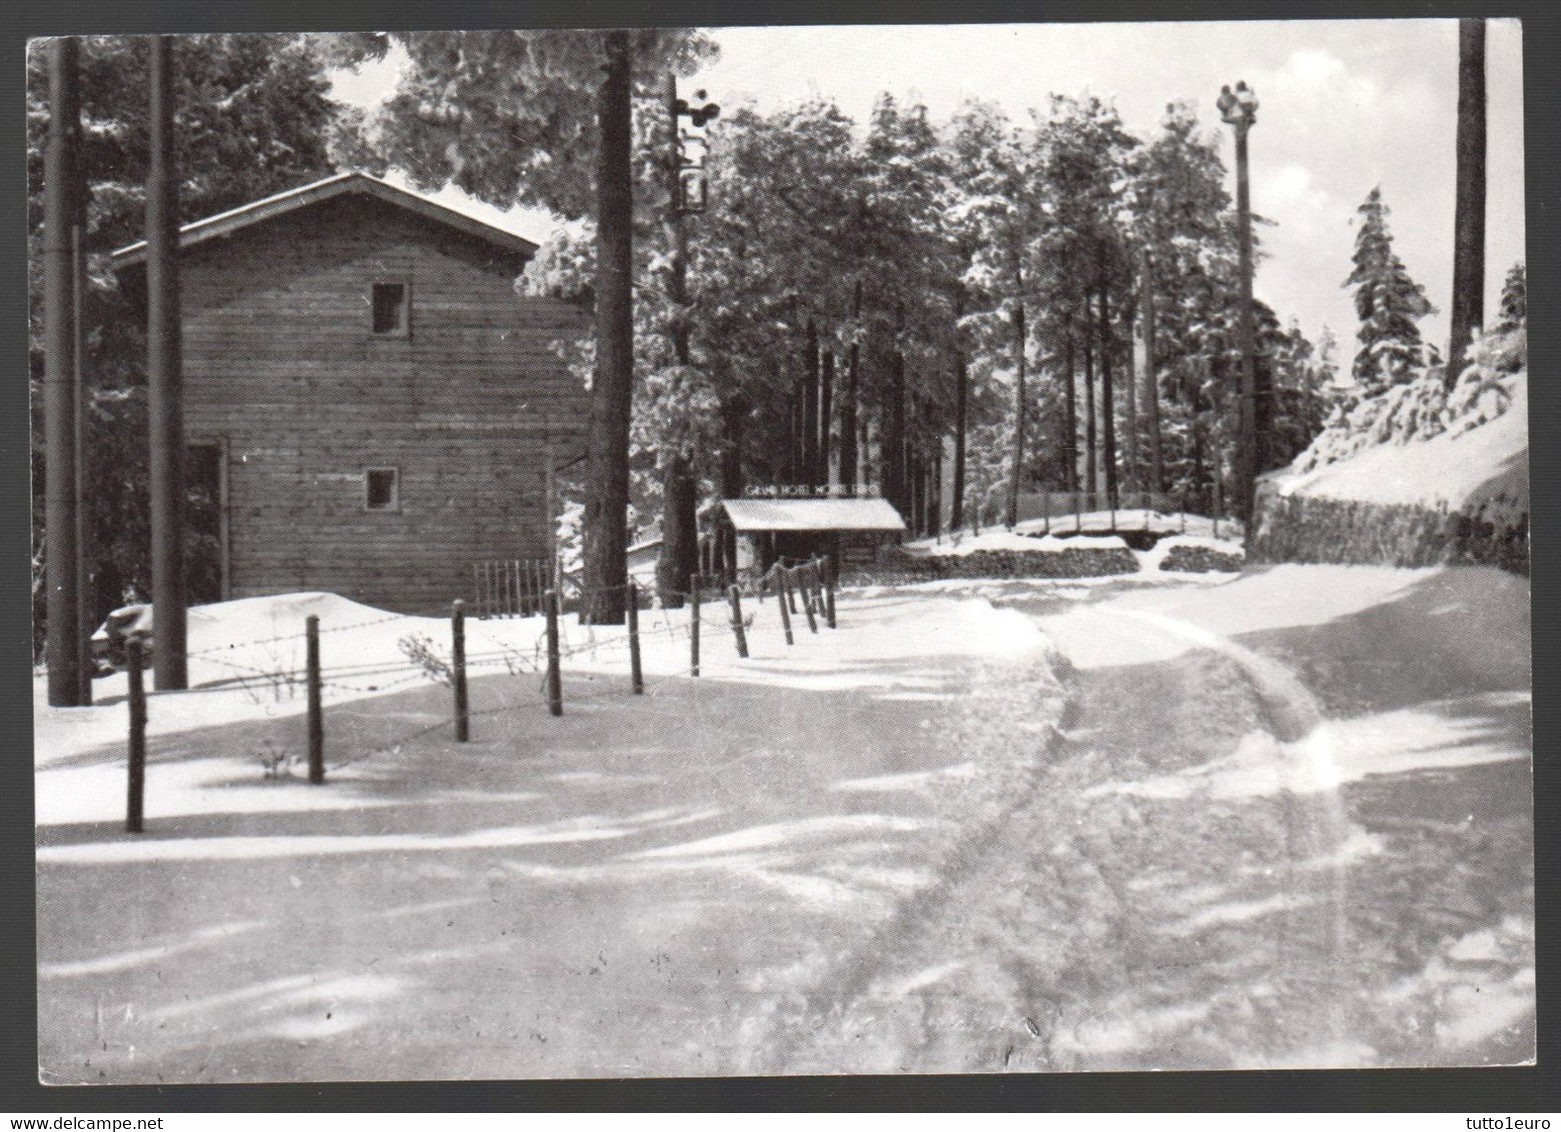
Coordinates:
1424	407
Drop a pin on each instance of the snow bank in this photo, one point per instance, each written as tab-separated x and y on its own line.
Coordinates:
1026	538
1451	469
1155	558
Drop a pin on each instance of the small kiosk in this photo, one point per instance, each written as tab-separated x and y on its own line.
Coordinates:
847	530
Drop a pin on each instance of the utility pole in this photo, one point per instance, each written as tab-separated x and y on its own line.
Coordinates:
1238	108
63	652
165	378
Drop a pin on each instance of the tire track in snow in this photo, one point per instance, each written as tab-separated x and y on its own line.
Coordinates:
958	978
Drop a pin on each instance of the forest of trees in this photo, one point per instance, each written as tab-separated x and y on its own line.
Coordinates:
863	301
866	303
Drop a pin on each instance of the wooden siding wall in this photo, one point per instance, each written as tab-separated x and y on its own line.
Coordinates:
281	364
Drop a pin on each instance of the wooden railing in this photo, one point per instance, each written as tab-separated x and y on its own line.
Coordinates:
511	587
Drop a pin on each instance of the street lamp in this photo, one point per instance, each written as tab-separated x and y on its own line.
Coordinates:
690	187
1238	108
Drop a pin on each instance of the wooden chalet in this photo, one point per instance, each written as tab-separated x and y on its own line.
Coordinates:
366	394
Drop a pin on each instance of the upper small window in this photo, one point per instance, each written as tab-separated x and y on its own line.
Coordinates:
390	308
381	492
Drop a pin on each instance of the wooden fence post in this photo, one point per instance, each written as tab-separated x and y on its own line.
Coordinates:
807	595
137	790
829	591
782	583
555	681
458	670
736	597
316	717
632	610
693	625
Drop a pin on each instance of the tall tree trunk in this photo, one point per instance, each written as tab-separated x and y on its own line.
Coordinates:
1130	403
1468	308
62	652
810	407
891	437
1196	428
794	434
848	405
1108	417
961	412
913	490
165	379
1019	413
1070	408
679	556
935	489
612	393
826	392
1152	378
1091	483
734	411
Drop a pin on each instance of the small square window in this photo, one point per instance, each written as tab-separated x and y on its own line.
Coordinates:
390	308
381	490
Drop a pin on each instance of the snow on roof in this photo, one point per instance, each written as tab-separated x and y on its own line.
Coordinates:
813	515
225	223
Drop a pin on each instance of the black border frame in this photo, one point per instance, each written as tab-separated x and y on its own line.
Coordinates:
1483	1091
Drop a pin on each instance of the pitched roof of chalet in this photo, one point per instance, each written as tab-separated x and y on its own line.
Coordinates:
813	515
226	223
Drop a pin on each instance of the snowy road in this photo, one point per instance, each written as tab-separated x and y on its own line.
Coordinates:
1290	826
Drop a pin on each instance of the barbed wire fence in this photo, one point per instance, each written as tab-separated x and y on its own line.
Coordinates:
787	588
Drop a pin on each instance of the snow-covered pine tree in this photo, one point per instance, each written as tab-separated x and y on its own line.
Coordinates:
1388	302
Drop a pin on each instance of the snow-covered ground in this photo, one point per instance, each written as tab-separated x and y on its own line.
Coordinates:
246	663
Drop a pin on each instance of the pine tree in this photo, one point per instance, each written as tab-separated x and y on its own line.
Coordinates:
1513	310
1388	302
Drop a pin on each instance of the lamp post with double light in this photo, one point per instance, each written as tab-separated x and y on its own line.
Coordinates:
685	195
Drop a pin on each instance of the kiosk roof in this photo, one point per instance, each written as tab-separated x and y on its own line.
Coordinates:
813	515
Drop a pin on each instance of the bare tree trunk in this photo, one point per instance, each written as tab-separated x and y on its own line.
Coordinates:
607	471
1130	403
62	652
1107	410
1090	463
961	412
1152	378
734	412
810	407
1019	414
1070	409
891	439
826	391
1468	308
